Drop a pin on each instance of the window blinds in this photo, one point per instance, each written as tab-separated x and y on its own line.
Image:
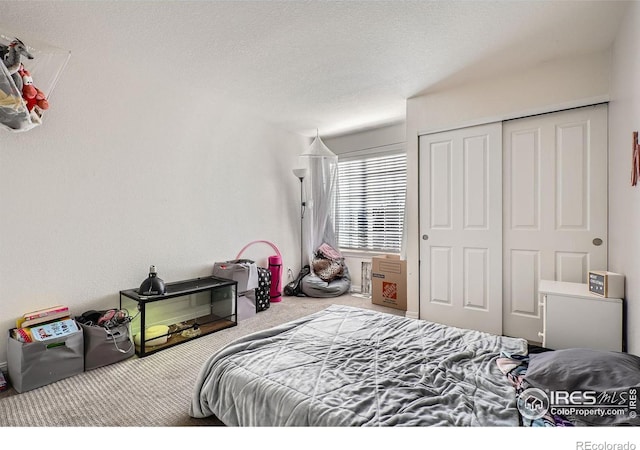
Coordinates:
371	202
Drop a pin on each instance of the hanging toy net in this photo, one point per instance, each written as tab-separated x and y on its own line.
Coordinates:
29	70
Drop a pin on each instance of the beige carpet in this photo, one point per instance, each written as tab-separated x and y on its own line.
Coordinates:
154	391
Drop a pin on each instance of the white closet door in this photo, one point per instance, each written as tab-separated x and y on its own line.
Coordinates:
555	207
461	227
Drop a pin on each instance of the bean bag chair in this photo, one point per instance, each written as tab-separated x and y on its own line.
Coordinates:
314	286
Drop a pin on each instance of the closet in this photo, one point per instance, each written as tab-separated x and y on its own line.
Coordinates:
504	205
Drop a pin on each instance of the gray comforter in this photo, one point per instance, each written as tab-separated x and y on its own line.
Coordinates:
347	366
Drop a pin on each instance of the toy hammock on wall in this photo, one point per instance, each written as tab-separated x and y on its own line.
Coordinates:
29	70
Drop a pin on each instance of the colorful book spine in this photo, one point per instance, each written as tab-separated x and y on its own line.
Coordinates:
46	319
41	316
45	312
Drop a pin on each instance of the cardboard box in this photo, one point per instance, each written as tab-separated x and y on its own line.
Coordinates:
389	281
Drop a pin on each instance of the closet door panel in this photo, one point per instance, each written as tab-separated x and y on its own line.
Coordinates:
461	228
524	271
572	185
441	180
555	206
524	165
476	183
535	193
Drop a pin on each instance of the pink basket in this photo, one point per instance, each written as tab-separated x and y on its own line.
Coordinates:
275	267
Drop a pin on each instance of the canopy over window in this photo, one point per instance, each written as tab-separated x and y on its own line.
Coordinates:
321	184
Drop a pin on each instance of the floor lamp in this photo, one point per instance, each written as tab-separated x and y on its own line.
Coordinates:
300	174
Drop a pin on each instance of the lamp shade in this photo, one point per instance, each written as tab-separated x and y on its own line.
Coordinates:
300	173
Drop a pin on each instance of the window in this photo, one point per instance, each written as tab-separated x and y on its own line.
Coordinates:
371	200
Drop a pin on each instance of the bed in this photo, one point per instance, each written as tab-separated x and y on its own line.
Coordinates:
347	366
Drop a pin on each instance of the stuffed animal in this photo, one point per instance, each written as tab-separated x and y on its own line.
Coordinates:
11	55
32	95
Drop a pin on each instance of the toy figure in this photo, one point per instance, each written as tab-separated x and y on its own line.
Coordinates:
11	56
32	95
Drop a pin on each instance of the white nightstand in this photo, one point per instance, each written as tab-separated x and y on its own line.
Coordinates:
573	317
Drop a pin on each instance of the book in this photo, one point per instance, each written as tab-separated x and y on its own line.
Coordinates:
45	319
53	330
22	335
42	315
45	312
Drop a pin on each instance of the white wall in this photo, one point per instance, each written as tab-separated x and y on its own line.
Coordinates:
624	200
129	171
546	87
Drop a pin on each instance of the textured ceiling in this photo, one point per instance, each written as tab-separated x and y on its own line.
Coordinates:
332	65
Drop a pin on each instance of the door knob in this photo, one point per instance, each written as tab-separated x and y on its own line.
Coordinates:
425	237
597	242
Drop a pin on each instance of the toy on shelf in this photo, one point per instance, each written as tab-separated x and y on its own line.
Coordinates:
33	97
22	103
31	94
12	53
12	59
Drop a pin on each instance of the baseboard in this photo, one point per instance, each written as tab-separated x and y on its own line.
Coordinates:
412	314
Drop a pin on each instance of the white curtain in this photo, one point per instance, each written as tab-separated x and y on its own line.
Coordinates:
320	184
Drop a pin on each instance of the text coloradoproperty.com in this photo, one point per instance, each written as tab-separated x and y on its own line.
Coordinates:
582	411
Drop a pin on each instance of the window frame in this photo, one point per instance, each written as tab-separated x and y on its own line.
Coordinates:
380	151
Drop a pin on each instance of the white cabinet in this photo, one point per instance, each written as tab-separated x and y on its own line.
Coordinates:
573	317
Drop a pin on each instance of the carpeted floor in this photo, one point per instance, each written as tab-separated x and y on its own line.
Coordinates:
154	391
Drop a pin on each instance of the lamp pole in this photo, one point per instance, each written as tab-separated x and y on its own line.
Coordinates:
300	174
302	207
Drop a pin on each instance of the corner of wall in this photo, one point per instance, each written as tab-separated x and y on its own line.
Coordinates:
624	199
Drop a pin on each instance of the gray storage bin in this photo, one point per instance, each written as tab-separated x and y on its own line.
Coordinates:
35	364
103	347
244	271
246	306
